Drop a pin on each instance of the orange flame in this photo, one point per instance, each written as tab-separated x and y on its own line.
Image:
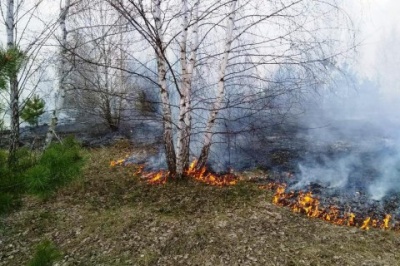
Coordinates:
386	220
205	176
299	202
306	203
157	178
201	175
366	223
350	221
117	162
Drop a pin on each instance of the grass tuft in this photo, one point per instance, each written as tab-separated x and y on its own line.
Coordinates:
58	165
46	253
38	173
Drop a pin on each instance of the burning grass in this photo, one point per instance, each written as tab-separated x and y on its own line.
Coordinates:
306	203
299	202
203	175
111	217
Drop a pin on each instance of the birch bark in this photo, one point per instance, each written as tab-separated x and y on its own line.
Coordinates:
14	92
162	80
184	126
220	89
62	72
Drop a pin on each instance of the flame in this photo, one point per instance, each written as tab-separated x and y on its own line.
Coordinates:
204	176
366	223
306	203
117	162
386	220
299	202
351	221
279	194
156	178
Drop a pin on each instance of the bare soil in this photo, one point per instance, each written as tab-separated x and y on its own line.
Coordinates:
111	217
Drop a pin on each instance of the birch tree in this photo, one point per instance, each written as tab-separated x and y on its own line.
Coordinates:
62	70
204	49
14	94
96	54
27	31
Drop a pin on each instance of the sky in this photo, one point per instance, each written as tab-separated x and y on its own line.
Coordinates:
379	56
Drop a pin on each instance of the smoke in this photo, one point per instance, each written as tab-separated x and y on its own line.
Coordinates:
353	129
352	139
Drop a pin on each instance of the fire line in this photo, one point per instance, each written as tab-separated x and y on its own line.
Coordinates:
306	203
298	202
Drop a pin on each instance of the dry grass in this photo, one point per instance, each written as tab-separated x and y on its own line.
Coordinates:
110	217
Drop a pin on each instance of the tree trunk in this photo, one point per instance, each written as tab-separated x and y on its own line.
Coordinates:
62	73
183	145
162	81
188	81
14	92
14	140
220	90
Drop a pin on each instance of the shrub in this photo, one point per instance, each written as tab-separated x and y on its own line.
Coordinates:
33	109
58	165
46	253
38	174
12	183
8	202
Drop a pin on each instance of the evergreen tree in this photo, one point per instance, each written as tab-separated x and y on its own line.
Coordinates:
10	63
33	109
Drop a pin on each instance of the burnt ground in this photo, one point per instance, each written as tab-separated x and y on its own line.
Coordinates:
111	217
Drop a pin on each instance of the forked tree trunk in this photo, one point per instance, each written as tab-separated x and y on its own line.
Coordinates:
220	90
62	73
162	81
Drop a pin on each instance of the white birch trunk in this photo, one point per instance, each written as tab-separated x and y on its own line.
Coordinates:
220	89
10	23
184	130
14	93
180	145
166	107
62	73
188	80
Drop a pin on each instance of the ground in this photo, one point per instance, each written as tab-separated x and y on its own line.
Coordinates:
111	217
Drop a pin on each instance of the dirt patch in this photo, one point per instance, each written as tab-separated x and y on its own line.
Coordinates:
111	217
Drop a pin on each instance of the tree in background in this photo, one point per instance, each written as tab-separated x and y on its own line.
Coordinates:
62	72
33	109
97	84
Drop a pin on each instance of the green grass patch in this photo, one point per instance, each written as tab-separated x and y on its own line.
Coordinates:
38	173
46	253
58	165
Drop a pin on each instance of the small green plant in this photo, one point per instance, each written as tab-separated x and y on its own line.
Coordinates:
46	253
8	202
38	174
33	109
11	184
58	165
